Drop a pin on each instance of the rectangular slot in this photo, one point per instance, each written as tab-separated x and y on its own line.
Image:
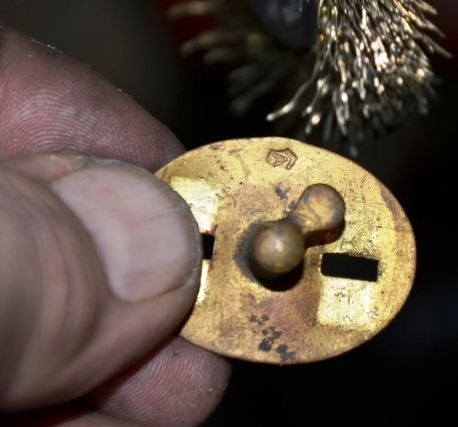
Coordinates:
208	242
349	267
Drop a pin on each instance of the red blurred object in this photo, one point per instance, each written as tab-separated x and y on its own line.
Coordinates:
186	28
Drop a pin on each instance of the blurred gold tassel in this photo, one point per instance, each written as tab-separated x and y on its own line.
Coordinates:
365	72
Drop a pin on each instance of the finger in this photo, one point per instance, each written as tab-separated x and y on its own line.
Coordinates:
51	103
96	269
145	395
54	103
149	392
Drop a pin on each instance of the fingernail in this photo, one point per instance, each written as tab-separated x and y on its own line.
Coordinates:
144	232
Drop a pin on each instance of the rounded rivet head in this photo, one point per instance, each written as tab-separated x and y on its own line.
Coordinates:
276	248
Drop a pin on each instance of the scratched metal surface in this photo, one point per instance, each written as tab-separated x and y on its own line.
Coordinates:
232	187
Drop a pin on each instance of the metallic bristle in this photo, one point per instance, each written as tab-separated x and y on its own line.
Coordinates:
366	73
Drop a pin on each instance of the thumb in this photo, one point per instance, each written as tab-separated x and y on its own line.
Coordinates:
99	262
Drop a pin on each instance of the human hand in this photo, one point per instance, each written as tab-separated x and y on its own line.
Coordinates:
99	261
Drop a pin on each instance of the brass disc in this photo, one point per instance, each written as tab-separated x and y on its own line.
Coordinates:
232	187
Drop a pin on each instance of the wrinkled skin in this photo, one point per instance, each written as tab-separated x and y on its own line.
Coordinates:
86	337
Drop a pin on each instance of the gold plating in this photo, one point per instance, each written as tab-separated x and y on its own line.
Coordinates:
233	187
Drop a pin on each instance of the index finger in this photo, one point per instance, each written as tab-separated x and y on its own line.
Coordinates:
53	103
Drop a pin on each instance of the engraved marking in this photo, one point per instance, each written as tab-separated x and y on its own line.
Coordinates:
283	158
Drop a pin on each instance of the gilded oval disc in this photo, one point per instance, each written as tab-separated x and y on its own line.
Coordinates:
324	310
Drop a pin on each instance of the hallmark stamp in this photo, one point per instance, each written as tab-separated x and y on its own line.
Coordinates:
282	158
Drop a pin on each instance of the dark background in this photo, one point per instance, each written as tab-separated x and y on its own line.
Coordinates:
407	374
